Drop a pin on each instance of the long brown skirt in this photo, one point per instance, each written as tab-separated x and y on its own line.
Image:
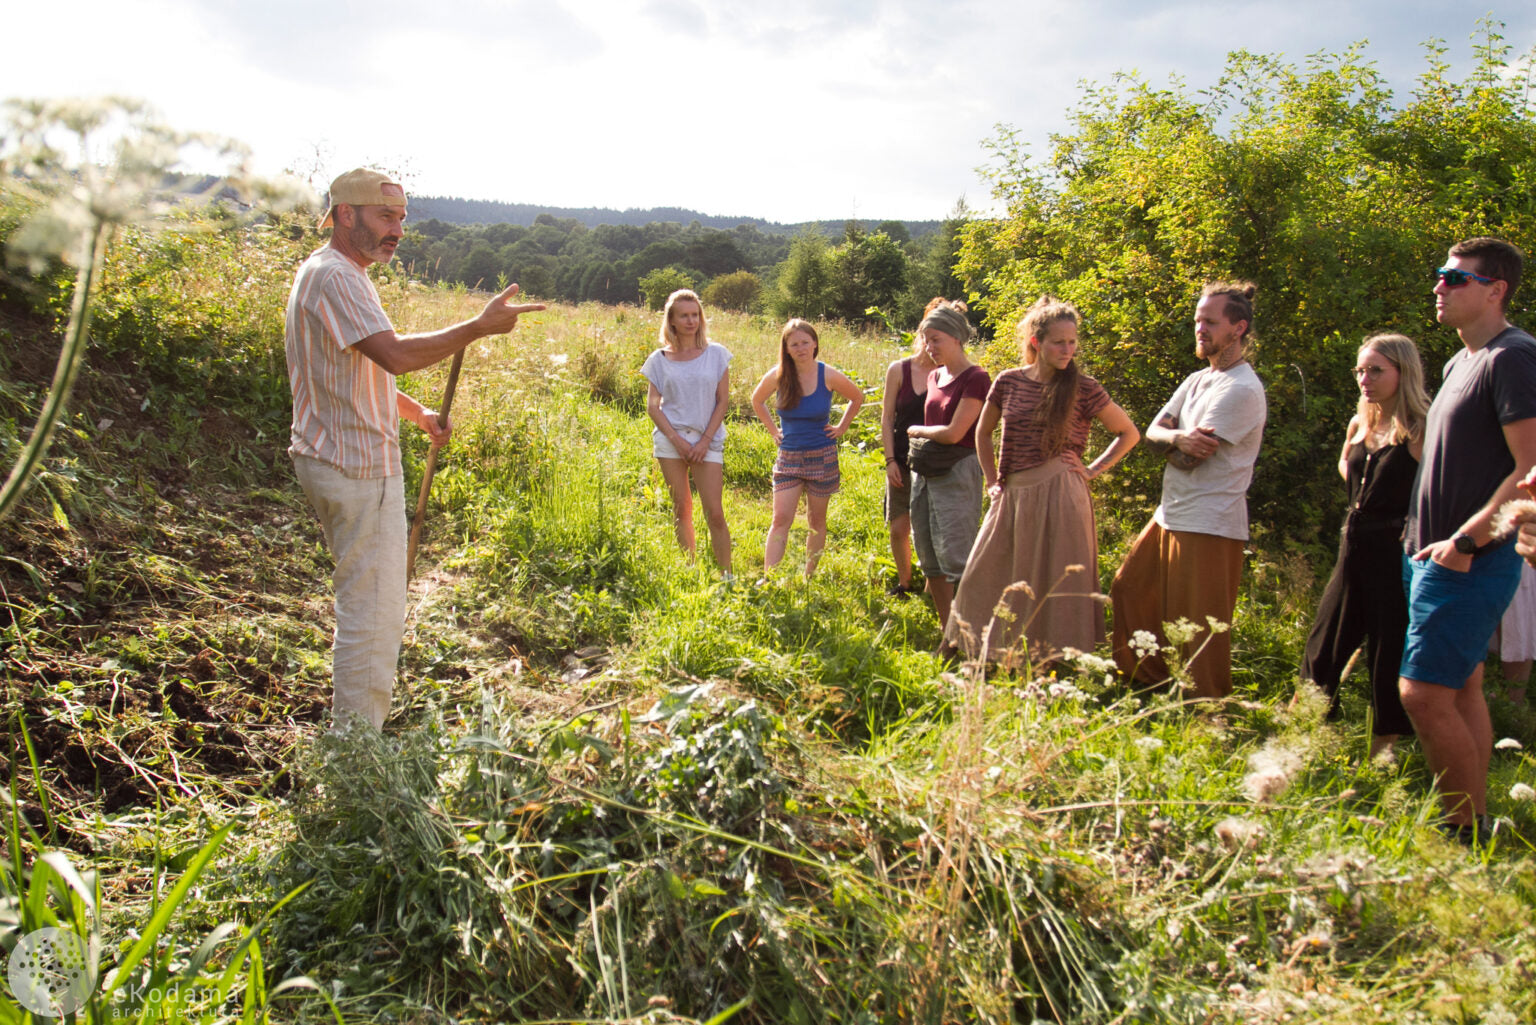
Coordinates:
1037	554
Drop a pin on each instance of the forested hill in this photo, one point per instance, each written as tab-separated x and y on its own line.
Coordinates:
453	210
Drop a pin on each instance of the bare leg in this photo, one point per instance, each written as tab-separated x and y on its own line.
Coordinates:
1381	745
785	502
816	520
943	591
1457	739
709	478
1473	706
675	472
901	549
1516	676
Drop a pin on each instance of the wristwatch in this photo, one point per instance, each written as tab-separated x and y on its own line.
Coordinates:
1464	543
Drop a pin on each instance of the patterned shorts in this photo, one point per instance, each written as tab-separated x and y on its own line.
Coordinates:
816	470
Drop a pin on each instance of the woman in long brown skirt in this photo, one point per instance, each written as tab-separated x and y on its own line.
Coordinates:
1032	580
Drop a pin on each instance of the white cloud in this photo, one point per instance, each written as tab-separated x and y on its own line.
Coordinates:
794	110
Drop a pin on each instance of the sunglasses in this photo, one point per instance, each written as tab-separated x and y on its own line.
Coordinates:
1455	278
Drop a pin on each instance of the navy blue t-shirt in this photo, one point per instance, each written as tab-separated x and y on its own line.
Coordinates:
1465	455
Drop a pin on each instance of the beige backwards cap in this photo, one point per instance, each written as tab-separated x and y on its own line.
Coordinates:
362	187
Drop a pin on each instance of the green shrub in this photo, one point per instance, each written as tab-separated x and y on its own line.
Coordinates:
662	282
739	290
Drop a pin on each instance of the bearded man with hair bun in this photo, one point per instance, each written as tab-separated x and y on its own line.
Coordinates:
1188	561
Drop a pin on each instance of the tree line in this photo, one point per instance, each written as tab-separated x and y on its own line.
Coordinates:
871	272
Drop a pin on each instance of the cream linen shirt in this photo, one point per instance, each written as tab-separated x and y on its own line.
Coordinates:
344	404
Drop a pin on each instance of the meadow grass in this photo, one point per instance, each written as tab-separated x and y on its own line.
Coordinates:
618	787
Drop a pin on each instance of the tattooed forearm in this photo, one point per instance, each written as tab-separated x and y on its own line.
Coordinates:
1183	460
1160	439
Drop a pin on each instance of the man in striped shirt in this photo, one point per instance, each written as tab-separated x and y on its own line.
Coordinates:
343	356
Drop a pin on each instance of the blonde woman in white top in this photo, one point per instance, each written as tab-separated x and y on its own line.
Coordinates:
689	395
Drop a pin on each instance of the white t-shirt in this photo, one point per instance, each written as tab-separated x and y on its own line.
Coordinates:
688	387
1213	497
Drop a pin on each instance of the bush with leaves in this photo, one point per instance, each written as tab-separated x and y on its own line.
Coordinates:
739	290
662	282
1310	181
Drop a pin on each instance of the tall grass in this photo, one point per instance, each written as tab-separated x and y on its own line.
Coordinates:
623	788
154	974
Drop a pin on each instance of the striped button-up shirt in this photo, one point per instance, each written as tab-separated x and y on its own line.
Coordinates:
344	410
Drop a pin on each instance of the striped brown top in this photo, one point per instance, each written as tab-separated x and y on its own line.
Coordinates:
1018	396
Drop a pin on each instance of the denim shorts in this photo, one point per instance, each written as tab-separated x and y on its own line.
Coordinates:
661	448
1452	615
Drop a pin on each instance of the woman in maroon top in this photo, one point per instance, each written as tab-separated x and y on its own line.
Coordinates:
946	506
1038	549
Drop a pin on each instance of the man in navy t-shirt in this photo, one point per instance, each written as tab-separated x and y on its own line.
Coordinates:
1479	441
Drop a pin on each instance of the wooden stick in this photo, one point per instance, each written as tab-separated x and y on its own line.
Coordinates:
426	477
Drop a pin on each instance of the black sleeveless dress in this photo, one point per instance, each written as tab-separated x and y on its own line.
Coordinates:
1364	599
907	411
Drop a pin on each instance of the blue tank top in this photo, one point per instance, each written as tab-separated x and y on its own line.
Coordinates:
804	428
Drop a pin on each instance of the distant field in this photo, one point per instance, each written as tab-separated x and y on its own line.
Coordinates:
627	334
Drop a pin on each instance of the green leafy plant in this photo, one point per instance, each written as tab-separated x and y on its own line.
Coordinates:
79	205
150	977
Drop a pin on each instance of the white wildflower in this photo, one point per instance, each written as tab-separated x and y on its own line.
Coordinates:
1149	744
1181	632
559	359
1497	1014
1522	792
1144	643
1063	690
1509	744
1088	661
1319	937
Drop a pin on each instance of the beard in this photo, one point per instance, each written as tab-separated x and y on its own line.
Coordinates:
371	244
1213	347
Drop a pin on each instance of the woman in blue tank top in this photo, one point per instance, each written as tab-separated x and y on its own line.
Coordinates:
807	440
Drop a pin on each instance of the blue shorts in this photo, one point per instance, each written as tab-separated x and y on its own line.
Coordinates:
1452	615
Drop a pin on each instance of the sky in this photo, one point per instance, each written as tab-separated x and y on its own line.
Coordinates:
790	110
